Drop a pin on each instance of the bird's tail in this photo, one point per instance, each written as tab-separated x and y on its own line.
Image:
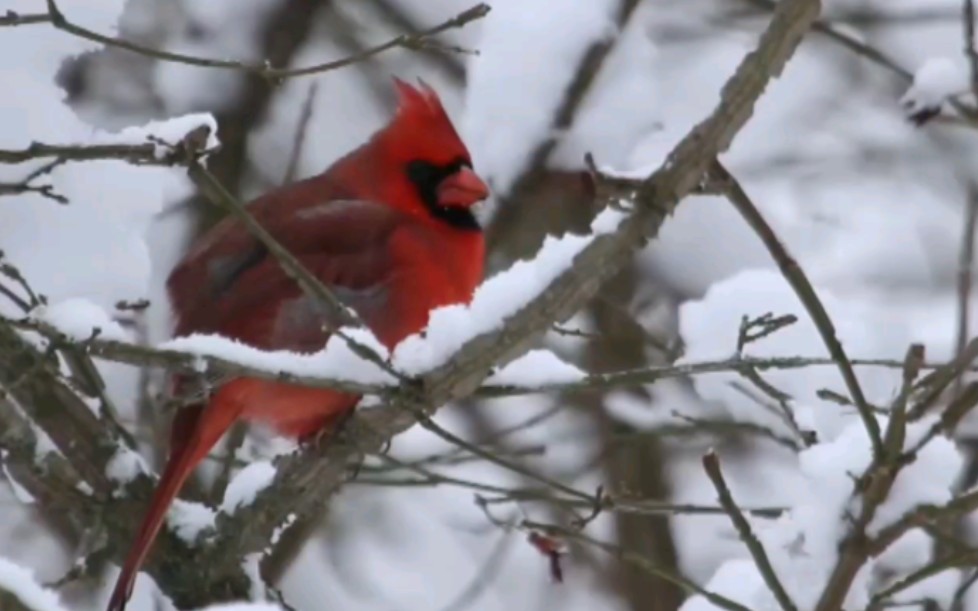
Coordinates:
195	431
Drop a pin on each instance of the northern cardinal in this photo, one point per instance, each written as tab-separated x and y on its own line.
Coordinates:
389	228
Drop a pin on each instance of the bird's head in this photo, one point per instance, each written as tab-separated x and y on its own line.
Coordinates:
435	167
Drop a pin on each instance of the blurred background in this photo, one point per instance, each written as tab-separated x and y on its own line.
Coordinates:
872	207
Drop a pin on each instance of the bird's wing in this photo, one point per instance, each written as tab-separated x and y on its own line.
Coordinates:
229	284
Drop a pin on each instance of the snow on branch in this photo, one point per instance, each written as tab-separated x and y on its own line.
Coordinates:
192	137
21	591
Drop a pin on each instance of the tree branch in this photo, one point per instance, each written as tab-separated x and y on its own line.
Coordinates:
12	18
138	154
711	464
417	41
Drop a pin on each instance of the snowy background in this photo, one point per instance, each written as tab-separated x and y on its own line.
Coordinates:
871	206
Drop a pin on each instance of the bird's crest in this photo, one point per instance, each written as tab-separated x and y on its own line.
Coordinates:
421	120
421	101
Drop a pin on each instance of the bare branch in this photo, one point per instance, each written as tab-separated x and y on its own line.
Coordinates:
305	115
968	20
711	464
966	256
420	40
12	18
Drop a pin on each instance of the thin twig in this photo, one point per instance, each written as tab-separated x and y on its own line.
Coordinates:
412	42
952	561
711	464
305	116
968	19
19	188
966	261
430	425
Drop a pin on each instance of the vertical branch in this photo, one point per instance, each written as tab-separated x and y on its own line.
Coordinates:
305	115
711	464
965	269
970	52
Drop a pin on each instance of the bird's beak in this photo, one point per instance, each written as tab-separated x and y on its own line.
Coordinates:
463	189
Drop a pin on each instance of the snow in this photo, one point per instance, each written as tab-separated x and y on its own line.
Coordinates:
246	485
734	580
21	583
124	466
188	520
536	368
509	112
252	568
616	114
165	132
495	300
184	88
335	360
79	319
281	528
20	493
940	588
935	81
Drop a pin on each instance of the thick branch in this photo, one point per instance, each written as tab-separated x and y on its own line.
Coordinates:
183	362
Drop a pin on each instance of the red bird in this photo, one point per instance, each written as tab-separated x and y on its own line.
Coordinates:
389	228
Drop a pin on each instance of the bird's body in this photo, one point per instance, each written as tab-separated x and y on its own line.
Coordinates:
388	229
